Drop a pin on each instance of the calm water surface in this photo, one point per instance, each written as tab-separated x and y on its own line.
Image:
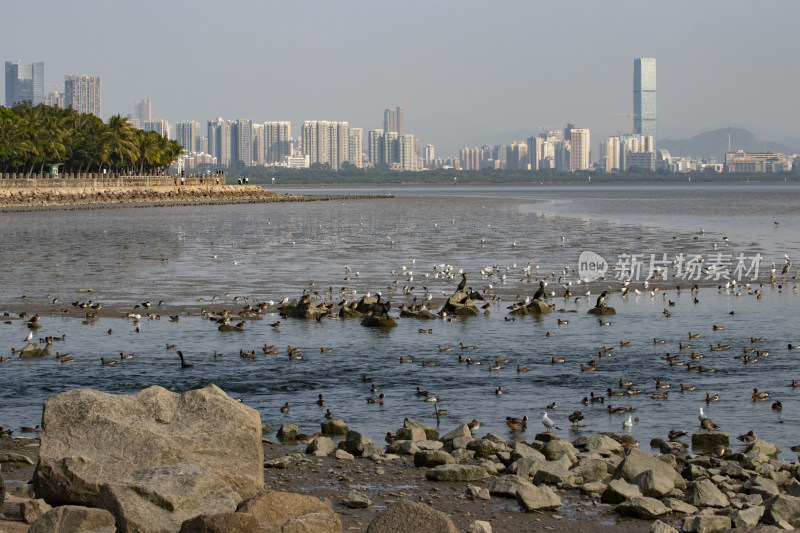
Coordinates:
270	251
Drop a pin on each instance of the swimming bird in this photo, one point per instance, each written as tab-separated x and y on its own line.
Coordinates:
522	368
660	396
777	405
365	379
499	390
320	401
624	383
123	356
378	400
748	437
629	422
517	423
759	396
421	392
547	423
675	435
710	399
285	408
688	388
554	360
103	361
328	414
184	364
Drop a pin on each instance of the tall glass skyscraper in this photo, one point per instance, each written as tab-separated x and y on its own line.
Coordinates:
24	82
644	96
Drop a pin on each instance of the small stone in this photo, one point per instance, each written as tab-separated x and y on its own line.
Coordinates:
706	524
542	498
480	526
343	455
356	500
31	510
660	527
646	508
477	493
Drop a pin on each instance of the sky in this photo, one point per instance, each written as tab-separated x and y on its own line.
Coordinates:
466	72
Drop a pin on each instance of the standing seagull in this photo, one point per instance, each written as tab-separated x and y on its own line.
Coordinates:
549	424
29	337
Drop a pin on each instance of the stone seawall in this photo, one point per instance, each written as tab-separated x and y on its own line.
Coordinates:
83	180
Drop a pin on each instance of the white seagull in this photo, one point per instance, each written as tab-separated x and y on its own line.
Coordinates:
628	423
549	424
702	416
29	337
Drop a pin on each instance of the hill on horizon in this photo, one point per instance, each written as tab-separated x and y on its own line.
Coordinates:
715	144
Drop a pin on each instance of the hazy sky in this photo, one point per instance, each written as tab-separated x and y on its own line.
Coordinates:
466	72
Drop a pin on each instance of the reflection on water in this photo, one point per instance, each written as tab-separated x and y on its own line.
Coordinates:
269	251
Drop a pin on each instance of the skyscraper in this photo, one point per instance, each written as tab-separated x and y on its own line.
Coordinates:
356	146
278	140
187	133
82	93
393	120
142	112
579	153
24	82
644	96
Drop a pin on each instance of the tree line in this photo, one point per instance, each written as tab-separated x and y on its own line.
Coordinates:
34	137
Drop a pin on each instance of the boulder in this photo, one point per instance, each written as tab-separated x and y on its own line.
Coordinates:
411	434
704	493
343	455
411	517
524	466
403	447
31	510
708	440
430	433
457	473
69	518
637	461
748	517
460	431
287	432
679	506
161	498
556	448
619	490
662	527
334	427
590	470
480	526
766	488
286	511
305	307
532	498
644	507
705	524
349	312
520	449
477	493
229	327
782	508
221	523
356	500
484	448
321	446
372	450
92	438
459	304
507	486
602	311
32	350
553	472
422	314
355	442
604	442
764	447
654	485
383	322
432	458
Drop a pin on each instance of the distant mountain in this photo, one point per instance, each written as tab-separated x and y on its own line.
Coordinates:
715	144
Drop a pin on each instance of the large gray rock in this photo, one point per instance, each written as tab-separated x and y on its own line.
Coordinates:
459	304
457	473
334	427
557	448
762	446
646	508
604	442
708	440
703	493
411	517
520	449
532	498
72	518
619	490
748	517
590	470
507	486
432	458
762	486
33	350
460	431
637	461
485	448
161	498
32	510
355	443
321	446
356	500
653	484
430	433
706	524
782	508
411	434
221	523
287	512
91	438
662	527
287	432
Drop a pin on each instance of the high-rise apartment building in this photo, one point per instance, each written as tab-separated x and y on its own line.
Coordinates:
405	152
242	142
580	149
142	111
376	156
356	147
83	93
259	148
430	156
187	134
24	82
219	140
277	141
390	153
393	120
159	126
644	96
328	143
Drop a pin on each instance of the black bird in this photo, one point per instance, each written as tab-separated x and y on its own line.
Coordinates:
184	364
463	282
539	293
601	300
575	417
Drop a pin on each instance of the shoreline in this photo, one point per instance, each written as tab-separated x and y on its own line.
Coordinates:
85	198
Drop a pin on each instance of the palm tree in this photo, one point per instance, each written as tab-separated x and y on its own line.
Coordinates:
116	142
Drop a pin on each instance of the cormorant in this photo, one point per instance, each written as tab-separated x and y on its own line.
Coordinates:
601	300
539	293
463	282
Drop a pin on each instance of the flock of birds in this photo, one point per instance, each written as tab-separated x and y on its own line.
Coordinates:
402	288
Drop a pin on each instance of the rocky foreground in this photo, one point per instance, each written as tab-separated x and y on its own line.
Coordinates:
194	462
75	196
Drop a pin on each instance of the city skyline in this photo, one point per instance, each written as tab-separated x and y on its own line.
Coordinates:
465	76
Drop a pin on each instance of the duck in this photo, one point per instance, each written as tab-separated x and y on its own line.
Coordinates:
596	399
675	435
552	405
171	346
623	383
522	368
701	368
555	360
717	328
471	347
304	438
320	401
587	368
365	379
659	341
696	355
688	387
184	364
575	417
499	390
421	392
517	423
748	437
378	400
612	392
389	438
759	396
660	385
442	349
104	361
623	344
617	410
325	350
777	405
431	363
694	335
123	356
753	340
328	414
285	408
499	361
708	425
794	384
26	429
474	425
631	391
710	398
660	396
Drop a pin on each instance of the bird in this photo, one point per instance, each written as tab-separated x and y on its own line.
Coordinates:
184	364
104	361
575	417
421	392
474	425
540	292
499	390
675	435
710	399
748	437
629	422
702	416
320	401
522	368
759	396
777	405
601	300
378	400
328	414
547	423
29	337
285	408
707	424
462	283
517	423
